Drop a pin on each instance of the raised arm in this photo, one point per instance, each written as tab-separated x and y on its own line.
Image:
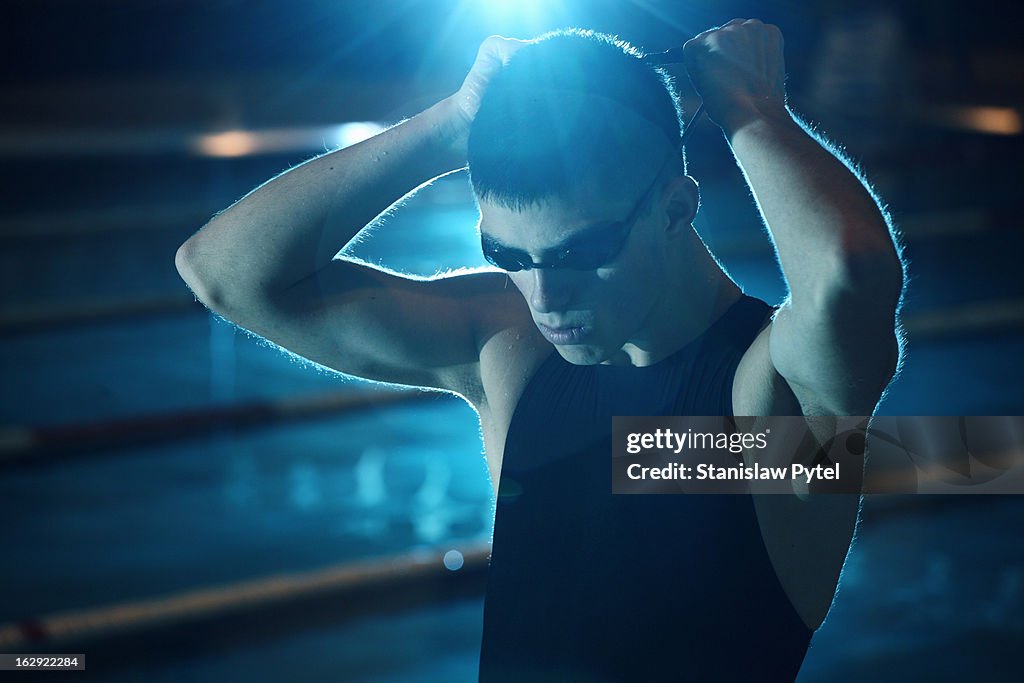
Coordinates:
835	338
268	262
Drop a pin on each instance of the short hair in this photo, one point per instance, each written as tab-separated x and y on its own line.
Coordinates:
529	141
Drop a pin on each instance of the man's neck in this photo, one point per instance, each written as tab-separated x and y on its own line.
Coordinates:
698	294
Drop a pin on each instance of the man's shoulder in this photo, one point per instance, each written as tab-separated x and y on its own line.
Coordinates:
508	360
510	347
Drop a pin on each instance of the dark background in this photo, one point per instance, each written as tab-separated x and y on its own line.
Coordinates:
149	450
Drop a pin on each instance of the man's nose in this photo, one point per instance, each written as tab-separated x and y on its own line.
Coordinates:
552	290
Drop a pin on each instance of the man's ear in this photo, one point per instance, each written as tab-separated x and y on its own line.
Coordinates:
683	202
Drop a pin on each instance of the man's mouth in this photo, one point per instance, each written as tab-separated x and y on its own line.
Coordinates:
565	335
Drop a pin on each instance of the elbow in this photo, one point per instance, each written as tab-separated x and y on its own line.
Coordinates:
183	262
197	276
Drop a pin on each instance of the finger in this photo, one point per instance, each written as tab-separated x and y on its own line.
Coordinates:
706	33
500	48
510	46
695	49
493	53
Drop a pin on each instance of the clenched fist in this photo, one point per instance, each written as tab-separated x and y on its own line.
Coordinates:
738	71
493	54
457	111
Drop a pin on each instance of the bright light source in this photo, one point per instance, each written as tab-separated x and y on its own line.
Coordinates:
238	143
997	120
521	18
512	8
232	143
350	133
992	120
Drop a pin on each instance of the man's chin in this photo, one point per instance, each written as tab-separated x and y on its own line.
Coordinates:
583	354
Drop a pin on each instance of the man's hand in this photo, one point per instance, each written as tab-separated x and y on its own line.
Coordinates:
493	54
834	340
739	72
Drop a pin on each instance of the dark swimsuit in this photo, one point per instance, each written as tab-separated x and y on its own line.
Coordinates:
588	586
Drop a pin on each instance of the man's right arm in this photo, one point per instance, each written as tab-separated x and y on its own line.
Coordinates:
267	264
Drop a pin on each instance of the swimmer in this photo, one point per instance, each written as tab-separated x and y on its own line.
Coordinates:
601	300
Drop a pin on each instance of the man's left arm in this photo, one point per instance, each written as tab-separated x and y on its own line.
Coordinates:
835	338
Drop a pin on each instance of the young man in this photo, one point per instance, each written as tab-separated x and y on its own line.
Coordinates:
617	308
